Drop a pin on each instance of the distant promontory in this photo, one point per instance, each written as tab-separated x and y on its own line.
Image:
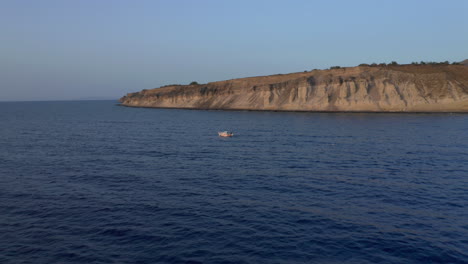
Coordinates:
417	87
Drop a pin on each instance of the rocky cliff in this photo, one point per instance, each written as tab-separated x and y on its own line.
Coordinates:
396	88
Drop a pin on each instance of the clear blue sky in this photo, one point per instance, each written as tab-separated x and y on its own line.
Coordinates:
55	50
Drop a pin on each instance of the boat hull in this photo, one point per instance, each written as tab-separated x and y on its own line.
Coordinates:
225	134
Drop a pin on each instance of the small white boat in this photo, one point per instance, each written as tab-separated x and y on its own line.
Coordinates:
225	134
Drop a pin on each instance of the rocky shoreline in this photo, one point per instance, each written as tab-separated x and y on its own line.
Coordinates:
388	88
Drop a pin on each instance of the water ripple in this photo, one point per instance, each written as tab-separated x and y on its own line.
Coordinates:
97	183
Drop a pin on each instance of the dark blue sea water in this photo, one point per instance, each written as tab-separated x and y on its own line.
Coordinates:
93	182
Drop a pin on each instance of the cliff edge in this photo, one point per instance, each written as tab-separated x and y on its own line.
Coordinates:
390	88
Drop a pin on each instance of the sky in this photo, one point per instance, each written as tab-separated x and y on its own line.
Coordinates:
103	49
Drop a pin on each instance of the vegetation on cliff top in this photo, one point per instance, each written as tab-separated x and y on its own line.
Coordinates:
394	63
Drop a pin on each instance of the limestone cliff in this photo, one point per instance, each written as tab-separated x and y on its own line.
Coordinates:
396	88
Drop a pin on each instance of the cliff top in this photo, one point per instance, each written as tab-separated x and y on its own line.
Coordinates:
459	71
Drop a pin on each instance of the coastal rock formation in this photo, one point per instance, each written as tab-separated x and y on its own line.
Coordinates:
391	88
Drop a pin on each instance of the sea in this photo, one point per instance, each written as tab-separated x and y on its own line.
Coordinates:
95	182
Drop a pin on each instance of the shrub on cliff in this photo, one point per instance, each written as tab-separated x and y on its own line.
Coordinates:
335	67
193	83
167	85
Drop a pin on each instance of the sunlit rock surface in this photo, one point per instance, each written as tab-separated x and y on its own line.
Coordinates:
396	88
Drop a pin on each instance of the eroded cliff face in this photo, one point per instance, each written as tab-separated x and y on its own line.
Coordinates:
406	88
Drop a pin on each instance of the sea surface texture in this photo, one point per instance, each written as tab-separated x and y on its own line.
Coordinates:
93	182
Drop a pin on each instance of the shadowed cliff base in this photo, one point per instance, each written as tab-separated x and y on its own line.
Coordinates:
370	88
